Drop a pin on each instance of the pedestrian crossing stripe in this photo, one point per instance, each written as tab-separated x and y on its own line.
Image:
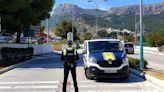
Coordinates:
43	82
89	85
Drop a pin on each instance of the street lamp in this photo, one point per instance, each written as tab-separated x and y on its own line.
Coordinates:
72	23
141	36
97	7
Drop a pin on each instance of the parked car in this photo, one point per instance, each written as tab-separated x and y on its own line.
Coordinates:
129	47
105	58
26	40
5	39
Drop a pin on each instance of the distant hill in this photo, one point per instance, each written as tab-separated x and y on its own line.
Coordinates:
120	17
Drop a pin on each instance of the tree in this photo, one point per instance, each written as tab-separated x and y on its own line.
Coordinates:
113	34
155	38
64	27
18	15
87	36
129	38
102	33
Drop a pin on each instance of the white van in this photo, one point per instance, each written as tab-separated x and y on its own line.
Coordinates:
105	58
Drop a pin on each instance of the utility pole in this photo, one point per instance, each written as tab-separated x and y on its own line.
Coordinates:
141	36
47	31
135	30
72	21
0	23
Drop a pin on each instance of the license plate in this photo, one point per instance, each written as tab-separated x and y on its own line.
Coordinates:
110	71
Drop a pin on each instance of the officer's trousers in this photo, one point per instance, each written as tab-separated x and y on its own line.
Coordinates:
73	72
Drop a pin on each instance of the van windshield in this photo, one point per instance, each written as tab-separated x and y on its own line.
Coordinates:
128	45
104	46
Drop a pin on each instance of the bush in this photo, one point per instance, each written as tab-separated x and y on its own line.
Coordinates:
135	63
13	55
58	47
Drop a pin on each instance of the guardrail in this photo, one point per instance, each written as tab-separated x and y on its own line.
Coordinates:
154	49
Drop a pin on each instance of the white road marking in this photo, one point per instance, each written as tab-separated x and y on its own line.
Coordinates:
5	87
41	82
27	87
30	82
116	91
85	85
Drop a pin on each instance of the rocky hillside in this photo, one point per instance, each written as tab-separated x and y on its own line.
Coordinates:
120	17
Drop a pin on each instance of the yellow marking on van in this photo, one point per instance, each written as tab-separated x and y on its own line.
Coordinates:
109	56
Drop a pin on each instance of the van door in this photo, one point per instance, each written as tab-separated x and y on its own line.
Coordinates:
85	54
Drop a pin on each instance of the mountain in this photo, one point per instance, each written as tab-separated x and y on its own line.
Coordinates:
132	9
74	9
119	17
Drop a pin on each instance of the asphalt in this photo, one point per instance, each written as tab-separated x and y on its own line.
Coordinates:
45	74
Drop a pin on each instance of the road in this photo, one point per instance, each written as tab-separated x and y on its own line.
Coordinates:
155	61
45	74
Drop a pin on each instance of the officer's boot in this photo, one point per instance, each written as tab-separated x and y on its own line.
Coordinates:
76	89
64	87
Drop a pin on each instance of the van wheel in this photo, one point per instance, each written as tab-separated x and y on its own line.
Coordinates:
88	74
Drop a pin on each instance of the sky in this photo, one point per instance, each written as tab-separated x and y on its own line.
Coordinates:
104	5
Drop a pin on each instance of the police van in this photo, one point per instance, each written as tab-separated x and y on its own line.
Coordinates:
105	58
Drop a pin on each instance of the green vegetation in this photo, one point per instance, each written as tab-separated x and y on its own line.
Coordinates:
102	33
20	14
64	27
135	63
155	38
87	36
153	22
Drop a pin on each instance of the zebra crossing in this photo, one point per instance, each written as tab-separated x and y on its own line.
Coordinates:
84	86
44	74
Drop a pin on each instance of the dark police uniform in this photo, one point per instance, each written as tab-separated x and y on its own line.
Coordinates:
69	56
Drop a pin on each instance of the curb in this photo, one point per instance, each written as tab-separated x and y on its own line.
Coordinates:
57	52
14	66
147	77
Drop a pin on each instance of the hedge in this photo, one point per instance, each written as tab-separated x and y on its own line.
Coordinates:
14	55
135	63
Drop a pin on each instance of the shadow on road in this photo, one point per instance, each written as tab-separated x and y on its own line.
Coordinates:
131	79
49	61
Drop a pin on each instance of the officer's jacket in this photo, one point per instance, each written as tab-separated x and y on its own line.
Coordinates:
69	55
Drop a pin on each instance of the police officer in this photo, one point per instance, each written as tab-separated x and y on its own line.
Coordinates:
70	56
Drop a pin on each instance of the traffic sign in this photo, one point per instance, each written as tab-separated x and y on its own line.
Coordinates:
70	36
